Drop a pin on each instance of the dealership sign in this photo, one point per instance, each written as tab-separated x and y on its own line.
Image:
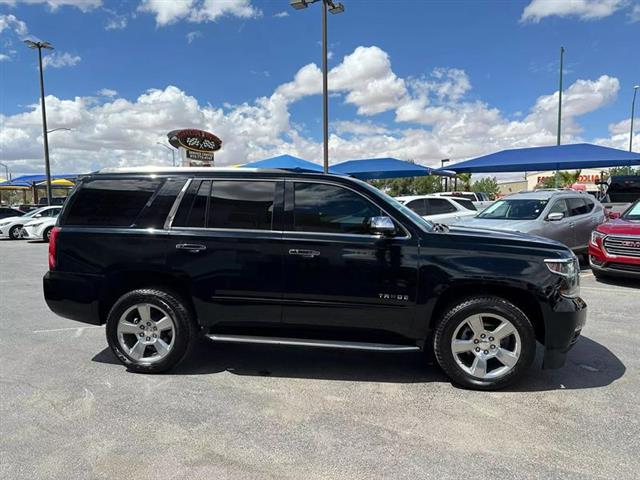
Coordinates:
196	146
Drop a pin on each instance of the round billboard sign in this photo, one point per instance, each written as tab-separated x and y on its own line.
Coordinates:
194	140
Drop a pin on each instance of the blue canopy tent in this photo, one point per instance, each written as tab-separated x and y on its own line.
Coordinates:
286	162
560	157
33	182
378	168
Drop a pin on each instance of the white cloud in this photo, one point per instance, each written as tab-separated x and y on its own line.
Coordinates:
434	120
197	11
60	59
191	36
84	5
619	135
634	14
116	22
107	92
582	9
282	14
10	22
4	57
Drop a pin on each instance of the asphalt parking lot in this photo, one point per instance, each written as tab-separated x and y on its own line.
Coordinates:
69	410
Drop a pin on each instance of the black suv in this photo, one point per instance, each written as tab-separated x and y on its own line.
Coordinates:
270	256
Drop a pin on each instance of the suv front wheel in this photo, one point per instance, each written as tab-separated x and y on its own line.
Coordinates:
484	343
150	330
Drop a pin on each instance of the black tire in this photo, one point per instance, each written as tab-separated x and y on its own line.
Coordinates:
598	275
457	315
185	329
46	236
13	232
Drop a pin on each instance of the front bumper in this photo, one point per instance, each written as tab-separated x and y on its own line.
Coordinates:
613	265
564	321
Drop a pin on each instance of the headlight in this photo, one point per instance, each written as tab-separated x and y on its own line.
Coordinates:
595	235
569	270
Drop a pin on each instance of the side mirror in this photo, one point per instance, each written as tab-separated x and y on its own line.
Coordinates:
555	216
382	226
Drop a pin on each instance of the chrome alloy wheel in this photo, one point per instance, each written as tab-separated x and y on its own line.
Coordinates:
486	345
146	333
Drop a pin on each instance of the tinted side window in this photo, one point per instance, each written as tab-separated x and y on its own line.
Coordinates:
590	203
418	206
463	202
560	206
158	206
577	206
193	208
438	206
110	203
331	209
241	204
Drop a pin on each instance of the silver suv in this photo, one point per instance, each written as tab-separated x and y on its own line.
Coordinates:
563	215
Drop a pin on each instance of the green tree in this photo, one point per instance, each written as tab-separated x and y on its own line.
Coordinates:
623	171
488	185
560	179
426	185
465	181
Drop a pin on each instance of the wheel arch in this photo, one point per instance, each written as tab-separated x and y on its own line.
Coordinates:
121	282
460	291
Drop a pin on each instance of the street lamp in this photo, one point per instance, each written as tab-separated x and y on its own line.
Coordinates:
173	155
58	129
633	107
333	8
46	45
6	171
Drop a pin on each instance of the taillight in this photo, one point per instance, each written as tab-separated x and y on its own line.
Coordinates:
52	247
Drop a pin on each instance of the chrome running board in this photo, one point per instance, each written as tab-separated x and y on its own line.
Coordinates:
305	342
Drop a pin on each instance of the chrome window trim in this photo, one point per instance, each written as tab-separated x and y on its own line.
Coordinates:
360	235
176	204
168	225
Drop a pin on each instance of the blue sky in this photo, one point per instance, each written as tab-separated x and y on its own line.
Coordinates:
413	79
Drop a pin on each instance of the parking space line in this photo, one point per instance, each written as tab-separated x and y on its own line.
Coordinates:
67	329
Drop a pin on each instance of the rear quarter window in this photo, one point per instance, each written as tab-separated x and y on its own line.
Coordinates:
110	202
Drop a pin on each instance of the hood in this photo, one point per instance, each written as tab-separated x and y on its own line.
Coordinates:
503	236
621	226
9	219
509	225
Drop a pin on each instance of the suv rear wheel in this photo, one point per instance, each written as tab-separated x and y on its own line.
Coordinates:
484	343
150	330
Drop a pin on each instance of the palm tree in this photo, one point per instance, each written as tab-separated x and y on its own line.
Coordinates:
465	181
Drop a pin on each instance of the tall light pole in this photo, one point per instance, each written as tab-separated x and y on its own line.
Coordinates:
555	177
446	180
633	108
6	171
173	155
333	8
46	45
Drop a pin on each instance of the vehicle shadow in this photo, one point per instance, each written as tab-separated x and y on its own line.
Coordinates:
589	365
619	281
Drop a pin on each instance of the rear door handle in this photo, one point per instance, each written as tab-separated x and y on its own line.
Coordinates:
191	247
304	253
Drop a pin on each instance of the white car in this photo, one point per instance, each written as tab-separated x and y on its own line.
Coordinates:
480	199
12	227
39	228
440	209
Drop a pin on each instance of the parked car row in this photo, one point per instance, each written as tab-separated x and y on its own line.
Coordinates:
36	224
573	218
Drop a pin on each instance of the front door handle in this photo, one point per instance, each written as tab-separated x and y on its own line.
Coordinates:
304	253
191	247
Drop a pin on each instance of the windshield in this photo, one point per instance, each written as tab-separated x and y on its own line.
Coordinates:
514	210
426	225
633	213
33	212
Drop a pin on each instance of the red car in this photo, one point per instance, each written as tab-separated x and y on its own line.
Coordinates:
614	249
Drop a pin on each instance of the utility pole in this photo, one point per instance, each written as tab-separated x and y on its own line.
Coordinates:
633	107
45	133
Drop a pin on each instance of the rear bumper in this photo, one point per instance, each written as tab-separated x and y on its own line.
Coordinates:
74	296
563	324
